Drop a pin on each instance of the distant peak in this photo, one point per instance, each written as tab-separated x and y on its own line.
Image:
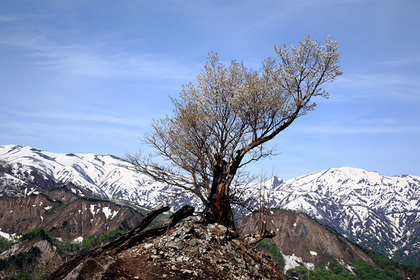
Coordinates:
349	171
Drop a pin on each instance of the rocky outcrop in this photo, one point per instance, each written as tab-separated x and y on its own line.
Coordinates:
190	250
194	251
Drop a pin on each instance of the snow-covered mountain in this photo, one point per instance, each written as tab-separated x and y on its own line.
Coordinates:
379	212
108	176
376	211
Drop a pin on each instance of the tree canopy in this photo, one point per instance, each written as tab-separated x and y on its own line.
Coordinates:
224	120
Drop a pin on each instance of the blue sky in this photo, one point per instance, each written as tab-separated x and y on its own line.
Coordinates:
89	76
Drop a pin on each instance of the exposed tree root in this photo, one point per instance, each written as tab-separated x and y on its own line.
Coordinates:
127	240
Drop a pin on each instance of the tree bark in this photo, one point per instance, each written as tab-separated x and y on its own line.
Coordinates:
218	208
145	222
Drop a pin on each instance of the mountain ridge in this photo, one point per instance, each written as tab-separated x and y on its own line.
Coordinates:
379	212
364	204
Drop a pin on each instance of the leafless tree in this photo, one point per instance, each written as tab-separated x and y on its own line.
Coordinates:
224	121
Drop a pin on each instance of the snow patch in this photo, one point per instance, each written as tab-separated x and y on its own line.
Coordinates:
8	236
92	209
109	212
291	261
78	240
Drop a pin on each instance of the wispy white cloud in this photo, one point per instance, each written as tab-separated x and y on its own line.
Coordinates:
86	117
38	128
366	126
90	63
71	137
380	86
96	59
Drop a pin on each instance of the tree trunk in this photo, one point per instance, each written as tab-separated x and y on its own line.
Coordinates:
124	242
218	208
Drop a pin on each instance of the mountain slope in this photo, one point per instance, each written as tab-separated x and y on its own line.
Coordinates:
47	225
107	176
303	241
379	212
64	214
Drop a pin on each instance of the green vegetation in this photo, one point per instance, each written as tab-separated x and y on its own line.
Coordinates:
367	271
4	244
20	260
20	276
386	269
56	207
372	242
91	241
334	271
319	273
410	253
394	269
27	261
34	233
273	250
